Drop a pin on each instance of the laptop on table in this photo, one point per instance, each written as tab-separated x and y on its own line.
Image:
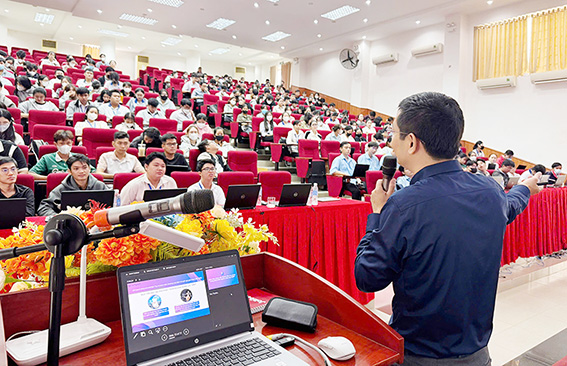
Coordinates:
158	194
81	198
294	195
184	310
360	170
176	168
242	196
12	212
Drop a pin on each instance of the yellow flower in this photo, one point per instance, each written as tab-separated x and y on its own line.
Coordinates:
224	230
190	226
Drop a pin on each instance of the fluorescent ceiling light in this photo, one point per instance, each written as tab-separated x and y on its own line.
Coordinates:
172	3
274	1
340	12
137	19
219	51
171	41
44	18
221	23
112	33
276	36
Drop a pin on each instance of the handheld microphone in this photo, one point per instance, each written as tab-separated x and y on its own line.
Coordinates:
187	203
388	170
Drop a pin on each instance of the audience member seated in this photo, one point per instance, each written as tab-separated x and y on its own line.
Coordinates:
190	140
403	181
169	145
554	172
113	107
154	178
358	135
349	132
20	58
50	60
118	161
80	105
129	123
127	90
138	101
151	111
508	154
7	130
528	173
312	134
69	93
369	128
477	148
343	166
224	146
206	169
87	82
292	140
228	110
492	159
191	84
150	137
4	100
387	149
369	157
286	120
470	166
38	103
202	124
198	95
185	113
503	170
267	129
80	178
112	82
91	121
244	120
9	188
164	101
57	78
482	168
208	150
336	134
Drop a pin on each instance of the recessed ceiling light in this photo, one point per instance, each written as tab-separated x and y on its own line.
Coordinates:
218	51
233	36
240	54
143	37
282	47
267	22
138	19
363	37
250	63
417	22
489	2
170	41
44	18
172	3
149	10
274	1
173	26
221	23
112	33
99	11
316	21
178	53
41	24
321	49
340	12
129	47
256	5
276	36
80	26
162	45
6	11
119	26
181	36
196	46
368	2
365	20
71	38
319	36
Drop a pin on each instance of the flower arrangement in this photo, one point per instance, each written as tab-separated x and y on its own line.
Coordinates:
219	229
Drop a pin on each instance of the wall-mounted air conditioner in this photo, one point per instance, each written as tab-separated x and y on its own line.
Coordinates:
494	83
549	77
384	59
428	50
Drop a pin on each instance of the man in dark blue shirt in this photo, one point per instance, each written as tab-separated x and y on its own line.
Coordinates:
439	240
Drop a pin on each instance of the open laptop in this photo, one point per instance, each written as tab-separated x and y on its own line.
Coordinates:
242	196
158	194
560	180
12	212
192	307
81	198
513	181
176	168
360	170
294	195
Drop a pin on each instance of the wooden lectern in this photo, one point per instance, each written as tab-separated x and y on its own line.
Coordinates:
339	315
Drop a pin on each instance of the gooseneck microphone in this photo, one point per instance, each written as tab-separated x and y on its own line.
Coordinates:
388	170
187	203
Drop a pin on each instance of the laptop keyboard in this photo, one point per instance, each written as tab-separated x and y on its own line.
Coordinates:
238	354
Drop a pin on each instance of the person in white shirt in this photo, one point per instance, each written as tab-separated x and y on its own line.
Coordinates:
349	134
129	123
113	108
185	113
118	161
50	60
87	82
154	178
321	125
293	138
80	105
190	140
336	134
286	120
386	150
206	169
225	146
313	134
190	85
280	107
267	128
164	101
369	128
91	121
37	103
228	110
113	82
528	173
151	111
138	101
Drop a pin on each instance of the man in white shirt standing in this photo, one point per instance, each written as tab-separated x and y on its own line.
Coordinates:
113	108
119	161
151	111
207	171
154	178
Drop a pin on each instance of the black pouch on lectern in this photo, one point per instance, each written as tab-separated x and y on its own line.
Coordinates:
291	314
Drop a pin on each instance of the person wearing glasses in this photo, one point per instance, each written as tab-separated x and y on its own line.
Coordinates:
169	145
207	171
9	188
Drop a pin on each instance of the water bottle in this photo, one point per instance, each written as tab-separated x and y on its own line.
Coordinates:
310	197
259	202
314	195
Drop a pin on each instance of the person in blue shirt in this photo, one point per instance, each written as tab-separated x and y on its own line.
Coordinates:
369	157
439	241
405	180
343	166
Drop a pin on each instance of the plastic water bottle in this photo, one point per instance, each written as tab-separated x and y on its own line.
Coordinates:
259	202
314	195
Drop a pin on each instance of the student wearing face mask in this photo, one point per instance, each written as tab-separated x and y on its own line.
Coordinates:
7	131
358	135
202	124
24	88
185	113
129	123
164	101
55	162
224	146
349	134
127	90
43	81
286	121
554	173
227	112
478	149
190	140
91	121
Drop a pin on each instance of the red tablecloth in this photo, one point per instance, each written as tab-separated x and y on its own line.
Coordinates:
321	238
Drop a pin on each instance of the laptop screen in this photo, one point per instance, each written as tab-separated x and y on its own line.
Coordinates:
174	305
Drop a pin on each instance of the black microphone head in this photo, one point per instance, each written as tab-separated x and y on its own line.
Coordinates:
197	201
389	166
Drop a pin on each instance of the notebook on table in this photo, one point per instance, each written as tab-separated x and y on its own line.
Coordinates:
242	196
158	194
12	212
294	195
181	311
81	198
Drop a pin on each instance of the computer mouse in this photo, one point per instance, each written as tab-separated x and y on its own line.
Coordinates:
337	348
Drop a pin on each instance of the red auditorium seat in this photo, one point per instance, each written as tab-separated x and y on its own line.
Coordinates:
19	129
329	147
308	150
243	161
121	179
116	120
26	151
163	125
168	112
14	99
48	149
355	145
103	149
46	118
139	108
276	149
372	176
46	132
272	183
16	115
95	137
193	155
26	180
185	179
226	179
134	133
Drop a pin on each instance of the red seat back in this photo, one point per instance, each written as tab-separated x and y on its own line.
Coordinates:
193	155
185	179
309	148
332	156
163	124
79	116
46	132
134	133
26	151
53	180
46	118
226	179
280	132
19	129
16	115
243	161
329	147
26	180
168	112
272	183
121	179
95	137
372	176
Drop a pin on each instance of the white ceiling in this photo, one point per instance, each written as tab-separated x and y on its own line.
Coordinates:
295	17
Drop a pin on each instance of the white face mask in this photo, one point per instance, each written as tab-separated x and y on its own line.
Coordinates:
557	171
21	88
3	128
233	102
269	118
200	124
64	149
63	85
44	82
193	136
127	90
92	116
286	119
